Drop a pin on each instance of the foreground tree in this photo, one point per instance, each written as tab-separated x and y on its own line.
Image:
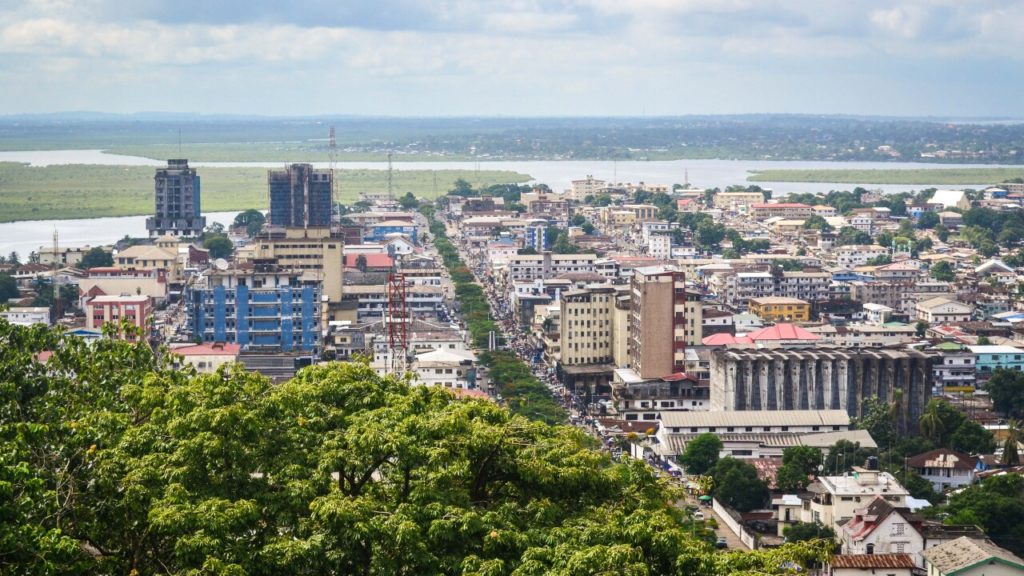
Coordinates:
737	485
114	462
96	258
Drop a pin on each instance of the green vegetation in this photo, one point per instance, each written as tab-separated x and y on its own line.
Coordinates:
996	505
520	389
114	462
701	454
737	485
87	191
937	176
1006	388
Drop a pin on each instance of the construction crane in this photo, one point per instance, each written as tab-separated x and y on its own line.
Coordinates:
397	321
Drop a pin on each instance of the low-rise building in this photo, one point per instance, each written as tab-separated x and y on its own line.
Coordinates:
26	315
969	557
882	528
942	310
446	368
136	310
945	468
779	309
869	564
207	358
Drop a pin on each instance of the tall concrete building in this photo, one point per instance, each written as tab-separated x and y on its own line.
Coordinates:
657	322
821	379
177	202
300	196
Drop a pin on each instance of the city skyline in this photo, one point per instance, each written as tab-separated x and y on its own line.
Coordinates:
585	57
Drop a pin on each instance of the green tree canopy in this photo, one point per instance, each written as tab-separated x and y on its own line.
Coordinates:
849	235
701	454
927	220
815	222
219	246
8	288
1006	388
942	271
737	485
112	461
96	258
804	531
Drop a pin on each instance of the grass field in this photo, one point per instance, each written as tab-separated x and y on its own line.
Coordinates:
86	191
938	176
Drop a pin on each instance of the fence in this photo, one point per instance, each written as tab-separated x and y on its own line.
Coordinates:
733	524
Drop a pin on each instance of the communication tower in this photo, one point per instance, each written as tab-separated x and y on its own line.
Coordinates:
397	323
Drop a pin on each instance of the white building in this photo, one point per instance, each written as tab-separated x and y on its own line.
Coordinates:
446	368
881	528
835	499
943	311
26	315
944	468
854	255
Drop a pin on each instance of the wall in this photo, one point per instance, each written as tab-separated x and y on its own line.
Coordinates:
742	533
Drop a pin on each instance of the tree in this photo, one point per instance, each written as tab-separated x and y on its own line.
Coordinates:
942	233
13	259
1006	388
219	246
361	262
1014	435
33	257
996	505
806	459
844	455
587	228
942	271
737	485
409	201
44	296
709	235
803	531
253	221
527	250
790	478
96	258
927	220
921	328
815	222
701	454
878	421
8	288
115	461
939	421
848	235
972	438
463	188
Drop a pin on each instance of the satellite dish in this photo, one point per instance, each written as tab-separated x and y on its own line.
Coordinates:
220	264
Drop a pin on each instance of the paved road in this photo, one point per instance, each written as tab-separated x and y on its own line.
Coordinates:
722	531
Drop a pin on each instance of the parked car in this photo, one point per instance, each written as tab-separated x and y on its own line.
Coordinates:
698	515
721	543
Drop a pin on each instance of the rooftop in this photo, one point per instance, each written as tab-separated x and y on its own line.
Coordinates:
210	349
752	418
867	561
955	555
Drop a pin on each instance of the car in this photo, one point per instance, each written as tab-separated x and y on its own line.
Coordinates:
698	515
721	543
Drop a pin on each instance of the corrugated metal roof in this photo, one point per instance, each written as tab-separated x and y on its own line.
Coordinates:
872	561
957	554
680	419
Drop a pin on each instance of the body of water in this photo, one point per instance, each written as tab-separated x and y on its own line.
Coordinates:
558	174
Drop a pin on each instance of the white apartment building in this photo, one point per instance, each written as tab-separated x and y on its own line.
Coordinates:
660	246
530	267
853	255
26	315
809	286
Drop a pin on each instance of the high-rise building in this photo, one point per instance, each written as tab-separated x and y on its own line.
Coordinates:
657	322
177	202
300	196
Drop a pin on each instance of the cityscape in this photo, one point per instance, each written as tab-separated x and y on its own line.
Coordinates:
516	340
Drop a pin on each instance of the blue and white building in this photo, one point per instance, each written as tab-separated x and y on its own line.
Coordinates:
263	309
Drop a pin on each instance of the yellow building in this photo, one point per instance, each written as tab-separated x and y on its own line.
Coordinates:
779	309
738	201
315	251
161	256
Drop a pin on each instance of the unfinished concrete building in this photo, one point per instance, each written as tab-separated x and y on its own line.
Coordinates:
821	379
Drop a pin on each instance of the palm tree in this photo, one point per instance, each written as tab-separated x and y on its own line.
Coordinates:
1011	456
897	412
930	425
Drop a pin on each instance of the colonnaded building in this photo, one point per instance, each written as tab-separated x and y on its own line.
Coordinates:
821	379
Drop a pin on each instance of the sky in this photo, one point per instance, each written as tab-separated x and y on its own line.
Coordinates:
962	58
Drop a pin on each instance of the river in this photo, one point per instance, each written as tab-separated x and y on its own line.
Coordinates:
24	237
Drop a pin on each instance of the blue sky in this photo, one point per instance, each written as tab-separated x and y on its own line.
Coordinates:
515	57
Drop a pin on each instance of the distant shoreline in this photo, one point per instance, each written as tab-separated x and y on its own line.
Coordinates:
911	176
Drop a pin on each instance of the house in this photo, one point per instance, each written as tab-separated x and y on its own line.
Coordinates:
136	310
446	368
943	310
944	468
989	358
864	564
835	499
968	557
207	358
882	528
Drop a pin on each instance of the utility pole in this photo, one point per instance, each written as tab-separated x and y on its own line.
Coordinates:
56	285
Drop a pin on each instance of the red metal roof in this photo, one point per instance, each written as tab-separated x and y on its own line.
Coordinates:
780	205
783	331
724	339
372	260
211	349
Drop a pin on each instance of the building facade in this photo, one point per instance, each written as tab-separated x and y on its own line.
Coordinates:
657	322
300	196
177	199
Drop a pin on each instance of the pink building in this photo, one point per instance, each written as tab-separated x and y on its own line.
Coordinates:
102	309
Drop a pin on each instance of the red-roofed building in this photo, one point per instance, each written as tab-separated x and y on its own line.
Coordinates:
865	564
208	357
723	339
783	332
374	262
881	528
